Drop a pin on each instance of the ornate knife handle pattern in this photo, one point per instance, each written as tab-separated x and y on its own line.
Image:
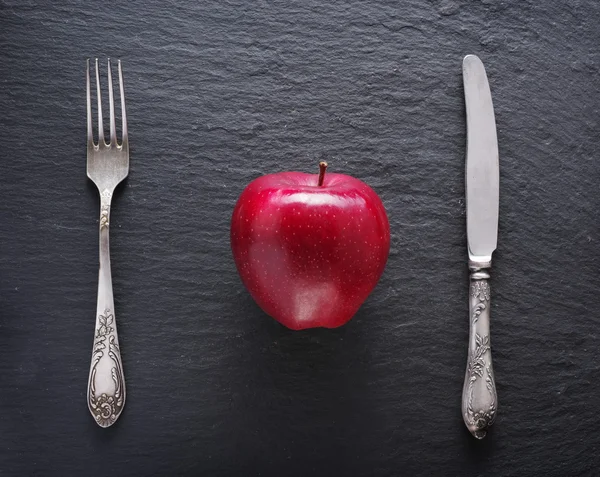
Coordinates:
106	385
479	398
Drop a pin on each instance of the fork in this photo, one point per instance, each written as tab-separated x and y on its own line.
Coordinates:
107	166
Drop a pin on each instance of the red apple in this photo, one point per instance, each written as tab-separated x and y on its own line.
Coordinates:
309	247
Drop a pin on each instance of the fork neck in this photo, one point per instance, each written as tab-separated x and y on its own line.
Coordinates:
105	199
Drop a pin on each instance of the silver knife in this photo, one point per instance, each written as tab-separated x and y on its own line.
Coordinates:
479	399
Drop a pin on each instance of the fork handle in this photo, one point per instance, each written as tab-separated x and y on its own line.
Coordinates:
106	384
479	399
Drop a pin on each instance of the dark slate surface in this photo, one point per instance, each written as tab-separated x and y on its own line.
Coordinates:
220	92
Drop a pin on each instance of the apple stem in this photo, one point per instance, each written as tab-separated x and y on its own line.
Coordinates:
322	169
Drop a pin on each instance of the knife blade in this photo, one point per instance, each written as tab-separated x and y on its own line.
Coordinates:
479	399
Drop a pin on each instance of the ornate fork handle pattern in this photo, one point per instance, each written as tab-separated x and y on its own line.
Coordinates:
106	385
479	399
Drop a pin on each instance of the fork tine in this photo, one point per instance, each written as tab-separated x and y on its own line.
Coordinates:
124	141
113	129
90	134
100	124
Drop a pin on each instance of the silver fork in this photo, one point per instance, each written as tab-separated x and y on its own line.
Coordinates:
107	166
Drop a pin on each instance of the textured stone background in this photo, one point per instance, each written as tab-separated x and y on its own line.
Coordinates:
220	92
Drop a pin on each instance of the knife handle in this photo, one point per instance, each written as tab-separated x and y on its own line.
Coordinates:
479	398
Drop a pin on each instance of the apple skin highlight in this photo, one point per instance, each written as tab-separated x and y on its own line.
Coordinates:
309	254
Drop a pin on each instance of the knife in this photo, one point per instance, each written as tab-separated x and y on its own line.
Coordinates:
479	399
